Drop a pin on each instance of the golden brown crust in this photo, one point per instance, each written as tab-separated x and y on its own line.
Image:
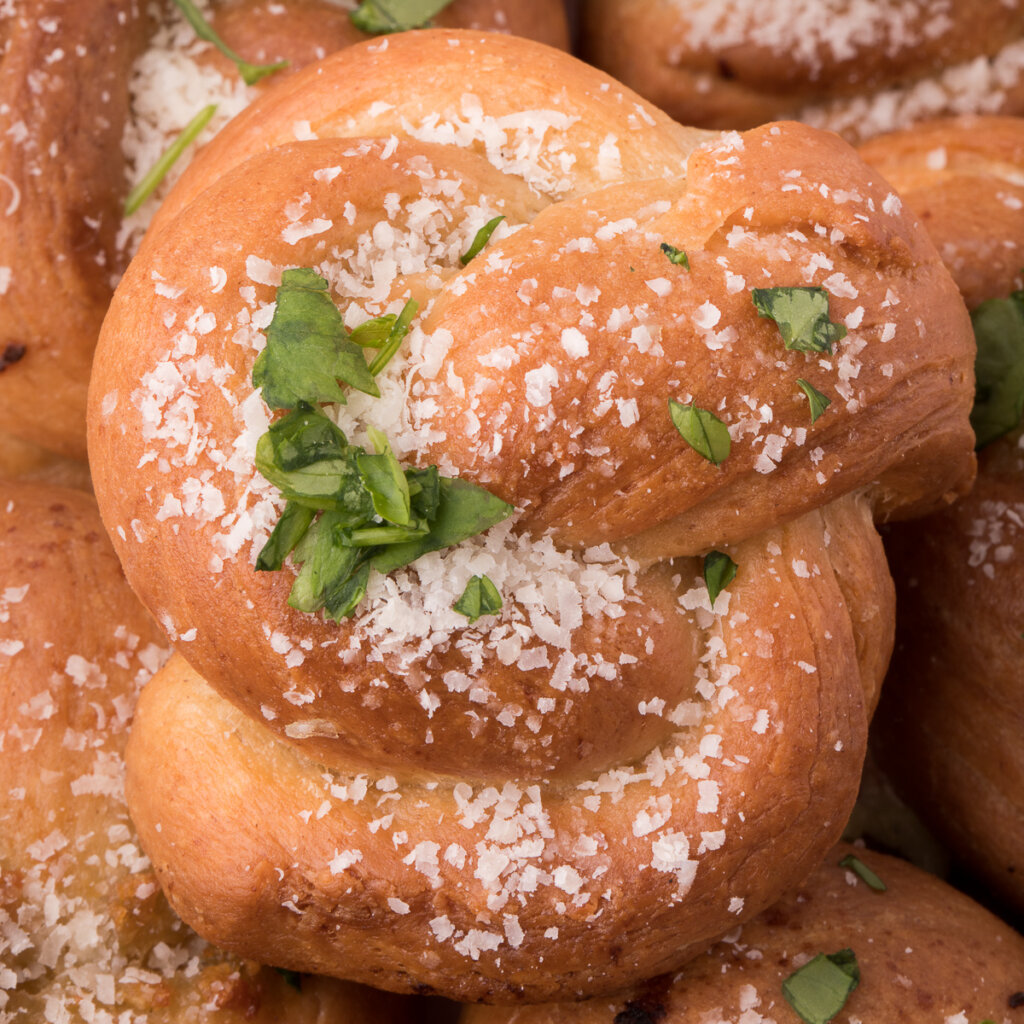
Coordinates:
716	750
860	68
64	88
82	922
926	953
22	460
63	65
954	705
564	886
965	179
311	29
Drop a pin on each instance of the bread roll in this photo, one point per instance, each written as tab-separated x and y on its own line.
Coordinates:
924	951
859	68
950	727
614	754
84	928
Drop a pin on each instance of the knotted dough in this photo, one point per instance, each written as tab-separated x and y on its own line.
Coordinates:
591	785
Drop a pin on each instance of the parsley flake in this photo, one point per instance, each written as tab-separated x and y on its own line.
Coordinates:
379	17
815	399
308	349
480	597
998	367
480	239
676	256
703	431
819	989
719	572
863	872
152	178
251	73
399	329
802	317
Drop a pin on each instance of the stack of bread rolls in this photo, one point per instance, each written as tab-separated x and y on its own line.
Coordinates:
677	375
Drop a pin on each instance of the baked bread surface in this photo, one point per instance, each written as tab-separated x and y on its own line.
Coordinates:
84	928
65	89
859	68
925	952
497	805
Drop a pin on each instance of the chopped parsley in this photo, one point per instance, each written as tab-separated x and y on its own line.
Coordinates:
378	17
348	511
251	73
802	317
480	597
998	367
719	572
158	171
815	399
863	872
480	239
676	256
308	349
703	431
819	989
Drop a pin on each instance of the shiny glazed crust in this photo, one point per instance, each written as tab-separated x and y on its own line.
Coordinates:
83	925
64	90
926	953
859	68
652	767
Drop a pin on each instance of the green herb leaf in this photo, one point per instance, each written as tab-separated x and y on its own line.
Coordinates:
251	73
399	329
308	350
290	529
819	989
677	256
480	597
377	17
480	239
863	872
719	572
463	510
343	601
703	431
308	459
327	564
998	367
802	316
158	171
373	333
817	401
424	491
376	536
385	479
